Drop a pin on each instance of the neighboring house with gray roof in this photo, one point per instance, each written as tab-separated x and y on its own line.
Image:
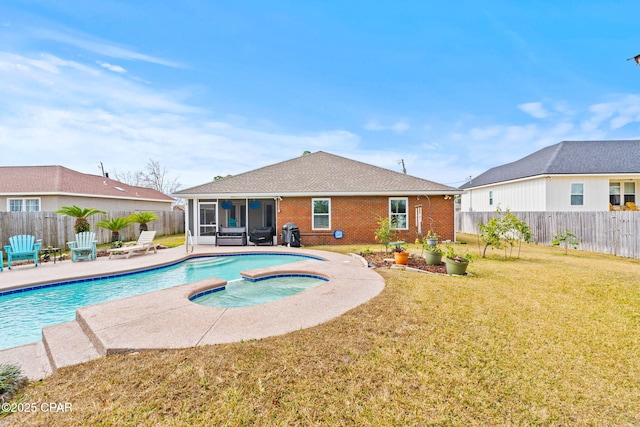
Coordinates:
330	198
47	188
568	176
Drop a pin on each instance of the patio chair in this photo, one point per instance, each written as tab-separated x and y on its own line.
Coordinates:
84	247
142	246
22	247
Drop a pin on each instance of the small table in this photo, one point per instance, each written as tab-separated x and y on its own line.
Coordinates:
47	251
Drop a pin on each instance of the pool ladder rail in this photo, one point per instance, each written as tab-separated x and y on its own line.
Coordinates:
188	242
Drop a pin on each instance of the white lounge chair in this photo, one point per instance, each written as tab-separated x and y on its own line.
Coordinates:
142	246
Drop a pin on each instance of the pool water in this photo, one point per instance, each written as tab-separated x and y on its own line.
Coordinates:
24	314
242	293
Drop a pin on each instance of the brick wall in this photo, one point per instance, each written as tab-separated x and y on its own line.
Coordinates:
357	217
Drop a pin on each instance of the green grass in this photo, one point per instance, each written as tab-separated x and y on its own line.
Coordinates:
549	339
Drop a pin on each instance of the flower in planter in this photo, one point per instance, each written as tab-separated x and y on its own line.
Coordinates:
452	255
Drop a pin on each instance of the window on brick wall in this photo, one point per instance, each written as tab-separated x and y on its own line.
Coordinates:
399	212
321	214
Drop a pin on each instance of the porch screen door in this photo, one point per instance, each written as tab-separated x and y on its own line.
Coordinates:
207	223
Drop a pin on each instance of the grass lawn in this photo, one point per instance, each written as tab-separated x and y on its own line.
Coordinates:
548	339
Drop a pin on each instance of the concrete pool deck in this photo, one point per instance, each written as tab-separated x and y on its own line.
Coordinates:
166	319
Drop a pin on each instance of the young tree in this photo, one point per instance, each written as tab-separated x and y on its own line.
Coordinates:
143	218
503	232
114	225
81	215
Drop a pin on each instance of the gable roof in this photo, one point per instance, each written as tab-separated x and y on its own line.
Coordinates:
568	158
49	180
318	173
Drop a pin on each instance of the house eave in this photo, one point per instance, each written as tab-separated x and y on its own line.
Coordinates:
316	194
558	175
101	196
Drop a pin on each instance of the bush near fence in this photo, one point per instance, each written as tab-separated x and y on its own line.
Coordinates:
612	232
56	230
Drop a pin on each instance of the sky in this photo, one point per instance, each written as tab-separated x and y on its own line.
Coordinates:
211	88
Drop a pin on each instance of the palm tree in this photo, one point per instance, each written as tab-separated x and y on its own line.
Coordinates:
81	215
143	218
114	225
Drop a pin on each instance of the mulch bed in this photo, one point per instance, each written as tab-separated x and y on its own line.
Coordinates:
382	260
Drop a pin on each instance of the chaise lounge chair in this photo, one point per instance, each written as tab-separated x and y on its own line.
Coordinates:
84	246
142	246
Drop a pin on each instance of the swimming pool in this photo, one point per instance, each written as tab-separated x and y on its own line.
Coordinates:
242	293
24	312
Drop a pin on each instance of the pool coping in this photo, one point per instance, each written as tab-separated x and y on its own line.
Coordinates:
167	319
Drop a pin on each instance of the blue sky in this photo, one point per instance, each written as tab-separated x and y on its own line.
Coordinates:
217	87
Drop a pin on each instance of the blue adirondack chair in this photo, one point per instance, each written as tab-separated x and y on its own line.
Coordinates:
1	262
84	247
22	247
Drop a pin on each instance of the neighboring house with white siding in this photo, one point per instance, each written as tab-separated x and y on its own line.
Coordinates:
568	176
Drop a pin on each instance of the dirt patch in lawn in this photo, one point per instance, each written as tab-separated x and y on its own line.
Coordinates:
382	260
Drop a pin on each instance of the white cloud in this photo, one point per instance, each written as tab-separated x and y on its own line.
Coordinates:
93	44
534	109
114	68
399	126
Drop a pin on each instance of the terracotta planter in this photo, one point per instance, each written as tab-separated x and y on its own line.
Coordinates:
456	267
401	257
432	258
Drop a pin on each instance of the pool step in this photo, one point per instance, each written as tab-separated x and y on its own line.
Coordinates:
66	344
32	359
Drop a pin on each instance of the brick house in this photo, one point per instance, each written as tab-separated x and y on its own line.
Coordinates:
332	200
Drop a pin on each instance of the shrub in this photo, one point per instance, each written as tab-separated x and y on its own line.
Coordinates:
11	381
565	239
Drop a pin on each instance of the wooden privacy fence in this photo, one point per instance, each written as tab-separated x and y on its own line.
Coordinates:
56	230
613	232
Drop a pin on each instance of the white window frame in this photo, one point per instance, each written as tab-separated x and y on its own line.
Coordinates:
393	214
615	189
573	193
23	203
629	188
321	214
490	198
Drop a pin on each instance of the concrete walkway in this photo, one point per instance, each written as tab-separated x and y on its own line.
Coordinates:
167	319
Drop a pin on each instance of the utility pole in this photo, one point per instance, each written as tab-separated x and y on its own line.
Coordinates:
404	169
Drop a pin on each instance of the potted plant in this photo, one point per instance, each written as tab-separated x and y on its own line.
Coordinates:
456	263
432	238
433	255
401	255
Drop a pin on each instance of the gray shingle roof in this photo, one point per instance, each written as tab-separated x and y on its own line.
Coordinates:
319	173
568	157
38	180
